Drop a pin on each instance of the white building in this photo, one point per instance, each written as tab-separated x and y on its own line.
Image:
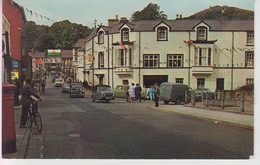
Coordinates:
215	54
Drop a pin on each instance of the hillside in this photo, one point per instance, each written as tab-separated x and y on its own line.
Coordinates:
214	13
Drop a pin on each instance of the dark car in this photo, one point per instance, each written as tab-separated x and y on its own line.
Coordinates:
76	90
173	92
103	92
202	92
66	88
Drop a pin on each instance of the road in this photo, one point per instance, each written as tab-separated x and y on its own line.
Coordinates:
77	128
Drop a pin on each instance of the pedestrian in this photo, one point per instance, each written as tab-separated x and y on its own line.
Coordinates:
138	91
156	94
132	92
27	91
151	91
16	92
43	87
126	89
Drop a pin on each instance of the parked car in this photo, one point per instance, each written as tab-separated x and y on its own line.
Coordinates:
103	92
66	88
173	92
54	77
76	90
58	83
119	91
203	91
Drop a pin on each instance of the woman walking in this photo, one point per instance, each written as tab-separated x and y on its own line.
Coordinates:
132	92
138	90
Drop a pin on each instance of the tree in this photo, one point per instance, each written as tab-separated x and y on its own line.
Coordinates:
150	12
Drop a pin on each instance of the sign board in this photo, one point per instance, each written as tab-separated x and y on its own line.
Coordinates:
90	58
15	64
14	75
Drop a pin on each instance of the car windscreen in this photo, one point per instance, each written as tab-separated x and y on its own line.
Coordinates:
105	88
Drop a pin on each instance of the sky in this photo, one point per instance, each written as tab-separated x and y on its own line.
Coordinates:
86	11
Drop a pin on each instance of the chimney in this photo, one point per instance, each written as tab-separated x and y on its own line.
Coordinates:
113	21
177	16
123	19
180	16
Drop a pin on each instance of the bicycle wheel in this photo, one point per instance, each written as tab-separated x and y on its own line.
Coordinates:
29	120
38	121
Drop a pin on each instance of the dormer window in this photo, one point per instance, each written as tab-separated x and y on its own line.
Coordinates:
125	35
101	37
202	33
162	34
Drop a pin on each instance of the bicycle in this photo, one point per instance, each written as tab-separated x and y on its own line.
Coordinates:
34	116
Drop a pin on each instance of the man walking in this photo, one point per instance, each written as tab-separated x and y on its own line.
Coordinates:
26	101
156	94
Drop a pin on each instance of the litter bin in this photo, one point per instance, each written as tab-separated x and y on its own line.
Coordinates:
8	122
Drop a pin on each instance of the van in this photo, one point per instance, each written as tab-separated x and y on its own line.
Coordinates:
173	92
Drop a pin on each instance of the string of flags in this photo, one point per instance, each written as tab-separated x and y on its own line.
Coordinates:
38	15
216	49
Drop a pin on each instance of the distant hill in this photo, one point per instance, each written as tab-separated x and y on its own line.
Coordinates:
214	13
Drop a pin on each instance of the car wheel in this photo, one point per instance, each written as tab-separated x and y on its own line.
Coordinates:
165	102
93	99
178	101
107	101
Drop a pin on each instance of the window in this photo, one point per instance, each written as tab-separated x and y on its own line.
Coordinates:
121	57
202	33
175	60
162	34
250	38
202	57
209	56
201	83
130	57
125	35
179	80
151	60
250	58
249	81
101	60
101	37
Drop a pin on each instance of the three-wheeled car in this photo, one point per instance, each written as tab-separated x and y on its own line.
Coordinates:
103	92
173	92
76	90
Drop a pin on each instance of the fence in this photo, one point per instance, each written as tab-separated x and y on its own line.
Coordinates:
222	99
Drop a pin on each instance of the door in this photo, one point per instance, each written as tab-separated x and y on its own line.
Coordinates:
220	84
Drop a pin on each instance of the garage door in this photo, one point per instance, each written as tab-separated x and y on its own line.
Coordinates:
152	79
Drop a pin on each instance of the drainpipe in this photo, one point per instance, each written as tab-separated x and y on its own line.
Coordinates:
139	57
93	83
232	61
189	63
112	63
108	59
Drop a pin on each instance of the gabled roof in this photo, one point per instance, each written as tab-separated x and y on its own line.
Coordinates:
37	55
80	43
181	25
66	54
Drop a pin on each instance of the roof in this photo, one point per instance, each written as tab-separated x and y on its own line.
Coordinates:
179	25
37	55
81	42
66	54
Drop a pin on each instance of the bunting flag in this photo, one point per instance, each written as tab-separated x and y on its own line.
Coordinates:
33	67
123	46
36	14
189	42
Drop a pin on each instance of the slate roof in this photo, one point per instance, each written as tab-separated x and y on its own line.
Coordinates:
37	55
179	25
80	43
66	54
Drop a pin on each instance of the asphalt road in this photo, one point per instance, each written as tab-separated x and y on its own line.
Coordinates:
77	128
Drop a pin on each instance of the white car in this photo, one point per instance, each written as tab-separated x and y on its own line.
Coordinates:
58	83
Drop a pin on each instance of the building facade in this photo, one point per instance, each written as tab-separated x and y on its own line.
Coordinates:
212	54
66	57
79	60
15	16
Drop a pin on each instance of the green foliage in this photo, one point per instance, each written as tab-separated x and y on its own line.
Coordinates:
60	35
150	12
214	13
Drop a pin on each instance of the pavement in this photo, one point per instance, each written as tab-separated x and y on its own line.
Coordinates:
230	115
